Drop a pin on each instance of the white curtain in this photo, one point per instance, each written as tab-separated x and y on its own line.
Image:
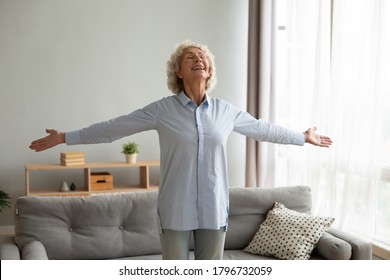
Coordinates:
332	71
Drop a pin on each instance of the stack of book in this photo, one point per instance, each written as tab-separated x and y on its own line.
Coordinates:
72	158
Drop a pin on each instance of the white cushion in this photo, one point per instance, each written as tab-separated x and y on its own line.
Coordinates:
288	234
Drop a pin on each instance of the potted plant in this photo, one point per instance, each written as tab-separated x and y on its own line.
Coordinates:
131	150
4	200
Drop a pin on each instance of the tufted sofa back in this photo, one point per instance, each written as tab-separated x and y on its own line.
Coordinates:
125	225
96	227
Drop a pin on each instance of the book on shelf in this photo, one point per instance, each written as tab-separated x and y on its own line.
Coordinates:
72	163
72	158
72	155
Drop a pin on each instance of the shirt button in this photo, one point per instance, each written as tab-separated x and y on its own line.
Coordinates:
70	229
121	227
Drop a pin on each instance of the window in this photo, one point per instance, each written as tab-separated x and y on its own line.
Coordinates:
330	70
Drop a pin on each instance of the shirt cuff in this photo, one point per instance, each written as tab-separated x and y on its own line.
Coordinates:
299	138
73	137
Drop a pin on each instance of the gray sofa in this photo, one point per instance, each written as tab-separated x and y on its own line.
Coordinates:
124	226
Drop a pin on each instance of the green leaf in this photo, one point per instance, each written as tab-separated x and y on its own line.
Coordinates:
4	200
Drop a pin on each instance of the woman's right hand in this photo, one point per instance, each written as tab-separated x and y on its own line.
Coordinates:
53	139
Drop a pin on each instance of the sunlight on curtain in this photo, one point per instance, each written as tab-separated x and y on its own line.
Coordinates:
332	71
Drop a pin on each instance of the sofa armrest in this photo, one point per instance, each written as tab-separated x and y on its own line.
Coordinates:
8	249
34	251
331	247
361	248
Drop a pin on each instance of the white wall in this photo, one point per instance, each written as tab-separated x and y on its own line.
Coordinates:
67	64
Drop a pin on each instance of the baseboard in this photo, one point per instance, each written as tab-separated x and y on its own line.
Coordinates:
7	230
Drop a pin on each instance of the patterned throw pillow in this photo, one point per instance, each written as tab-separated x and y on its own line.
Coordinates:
287	234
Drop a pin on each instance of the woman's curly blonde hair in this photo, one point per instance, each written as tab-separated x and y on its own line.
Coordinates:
175	84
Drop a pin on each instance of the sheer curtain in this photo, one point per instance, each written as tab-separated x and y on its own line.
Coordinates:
332	67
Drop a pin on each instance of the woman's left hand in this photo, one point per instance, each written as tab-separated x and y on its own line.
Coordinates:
315	139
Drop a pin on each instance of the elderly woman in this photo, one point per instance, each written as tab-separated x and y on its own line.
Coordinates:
193	129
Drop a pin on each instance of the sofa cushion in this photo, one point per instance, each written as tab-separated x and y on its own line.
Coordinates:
95	227
288	234
249	207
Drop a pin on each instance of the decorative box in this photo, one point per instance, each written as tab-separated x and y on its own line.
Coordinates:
101	181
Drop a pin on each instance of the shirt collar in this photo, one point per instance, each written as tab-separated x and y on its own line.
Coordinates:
185	100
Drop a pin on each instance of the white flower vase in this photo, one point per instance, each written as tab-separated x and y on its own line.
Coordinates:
131	158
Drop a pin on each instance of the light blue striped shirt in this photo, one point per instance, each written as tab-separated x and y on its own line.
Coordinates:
193	191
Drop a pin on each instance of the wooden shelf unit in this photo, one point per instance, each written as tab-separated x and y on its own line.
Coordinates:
143	166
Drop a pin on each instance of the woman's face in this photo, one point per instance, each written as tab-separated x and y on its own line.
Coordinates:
194	65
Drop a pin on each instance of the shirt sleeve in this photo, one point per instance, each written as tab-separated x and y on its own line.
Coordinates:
114	129
262	130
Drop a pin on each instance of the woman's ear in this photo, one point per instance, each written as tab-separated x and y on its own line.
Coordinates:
178	72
